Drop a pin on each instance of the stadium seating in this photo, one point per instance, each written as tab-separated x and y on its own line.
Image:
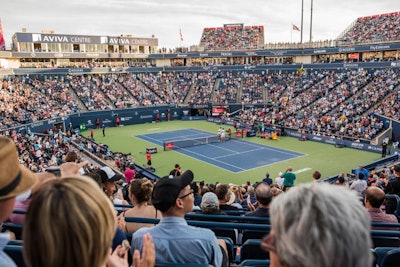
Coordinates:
15	252
255	263
251	250
391	258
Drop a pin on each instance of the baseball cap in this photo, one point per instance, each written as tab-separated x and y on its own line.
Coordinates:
167	189
15	179
108	175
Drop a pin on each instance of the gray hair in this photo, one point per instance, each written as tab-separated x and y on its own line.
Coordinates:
321	225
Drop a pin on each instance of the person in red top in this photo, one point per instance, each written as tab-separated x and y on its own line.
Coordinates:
117	121
148	157
91	133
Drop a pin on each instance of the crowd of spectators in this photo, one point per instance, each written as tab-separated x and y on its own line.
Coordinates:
326	102
235	37
377	28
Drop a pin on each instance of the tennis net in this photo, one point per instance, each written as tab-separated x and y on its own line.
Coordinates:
176	144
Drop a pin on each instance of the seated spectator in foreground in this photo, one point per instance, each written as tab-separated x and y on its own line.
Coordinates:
108	180
140	196
130	173
316	175
197	194
264	198
176	241
23	205
15	179
210	204
83	218
225	198
359	185
310	226
374	199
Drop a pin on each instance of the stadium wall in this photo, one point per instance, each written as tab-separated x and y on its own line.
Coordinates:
87	120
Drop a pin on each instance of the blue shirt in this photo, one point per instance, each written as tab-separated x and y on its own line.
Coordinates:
177	242
363	171
5	260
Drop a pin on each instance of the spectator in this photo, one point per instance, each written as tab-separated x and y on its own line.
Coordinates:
130	173
316	176
279	180
393	187
362	170
225	197
197	194
24	204
140	196
15	180
264	198
267	179
108	180
374	199
83	218
176	171
310	226
288	179
174	198
359	185
210	204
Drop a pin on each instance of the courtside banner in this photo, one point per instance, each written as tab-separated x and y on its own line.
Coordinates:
335	141
169	145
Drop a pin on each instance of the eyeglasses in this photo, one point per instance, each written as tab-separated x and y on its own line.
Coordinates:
191	192
268	243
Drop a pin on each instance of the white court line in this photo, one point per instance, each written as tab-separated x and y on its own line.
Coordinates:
222	162
280	150
302	170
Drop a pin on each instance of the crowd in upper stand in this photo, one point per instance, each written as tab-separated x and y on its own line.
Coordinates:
235	37
331	102
378	28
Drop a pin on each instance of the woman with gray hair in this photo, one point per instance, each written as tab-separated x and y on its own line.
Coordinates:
318	225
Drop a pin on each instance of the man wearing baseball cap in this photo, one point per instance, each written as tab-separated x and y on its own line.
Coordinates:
174	239
15	180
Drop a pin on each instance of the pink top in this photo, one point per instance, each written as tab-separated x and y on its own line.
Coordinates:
129	175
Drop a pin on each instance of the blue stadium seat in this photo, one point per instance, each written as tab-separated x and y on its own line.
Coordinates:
15	252
251	250
255	263
183	265
392	258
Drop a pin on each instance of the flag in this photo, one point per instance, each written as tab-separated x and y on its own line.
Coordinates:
2	42
180	35
295	28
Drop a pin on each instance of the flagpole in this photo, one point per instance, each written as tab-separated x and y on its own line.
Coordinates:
302	12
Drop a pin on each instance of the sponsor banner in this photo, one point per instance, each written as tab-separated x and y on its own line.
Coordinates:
151	150
169	145
84	39
335	141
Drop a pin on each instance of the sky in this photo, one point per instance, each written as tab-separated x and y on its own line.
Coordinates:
166	18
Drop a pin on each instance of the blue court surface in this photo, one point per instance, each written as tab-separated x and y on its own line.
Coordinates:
236	155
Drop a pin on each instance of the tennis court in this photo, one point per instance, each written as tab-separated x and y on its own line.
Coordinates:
236	155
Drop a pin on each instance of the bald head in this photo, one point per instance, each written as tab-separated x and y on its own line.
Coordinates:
374	196
263	194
